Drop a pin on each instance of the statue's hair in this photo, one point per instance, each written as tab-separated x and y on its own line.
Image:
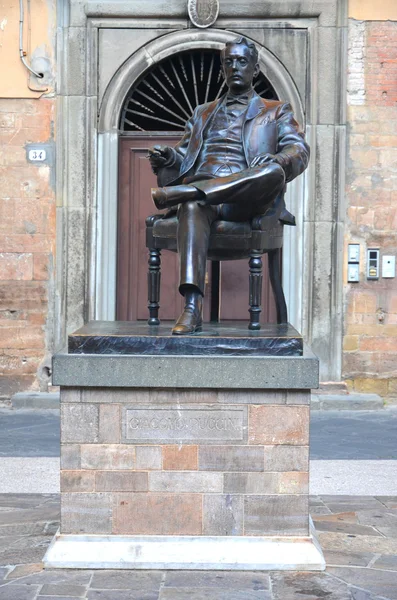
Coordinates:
243	42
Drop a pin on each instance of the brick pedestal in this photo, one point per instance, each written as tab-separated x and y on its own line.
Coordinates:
169	477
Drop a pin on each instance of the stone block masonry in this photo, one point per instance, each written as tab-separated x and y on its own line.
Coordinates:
370	340
214	466
27	246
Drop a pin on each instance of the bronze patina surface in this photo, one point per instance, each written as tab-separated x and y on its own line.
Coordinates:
232	163
229	338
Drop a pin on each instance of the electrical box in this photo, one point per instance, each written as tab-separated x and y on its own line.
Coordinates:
353	273
388	266
373	263
353	253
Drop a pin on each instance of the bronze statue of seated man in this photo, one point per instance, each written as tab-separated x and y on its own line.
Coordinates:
234	159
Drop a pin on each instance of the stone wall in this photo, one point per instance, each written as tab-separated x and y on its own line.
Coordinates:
370	341
27	199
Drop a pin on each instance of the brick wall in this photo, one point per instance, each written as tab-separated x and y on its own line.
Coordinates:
370	342
27	244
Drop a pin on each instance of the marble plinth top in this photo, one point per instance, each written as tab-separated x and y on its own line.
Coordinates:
227	338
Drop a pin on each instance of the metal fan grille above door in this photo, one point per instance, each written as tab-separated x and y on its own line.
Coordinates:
166	96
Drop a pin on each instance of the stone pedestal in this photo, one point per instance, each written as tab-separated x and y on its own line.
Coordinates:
195	462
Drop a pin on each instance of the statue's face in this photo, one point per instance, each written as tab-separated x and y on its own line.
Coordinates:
239	68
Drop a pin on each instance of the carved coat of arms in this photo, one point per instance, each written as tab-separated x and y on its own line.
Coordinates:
203	13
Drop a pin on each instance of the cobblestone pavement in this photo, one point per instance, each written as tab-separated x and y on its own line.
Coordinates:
358	535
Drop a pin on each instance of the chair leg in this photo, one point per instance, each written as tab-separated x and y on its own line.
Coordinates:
153	280
255	289
275	280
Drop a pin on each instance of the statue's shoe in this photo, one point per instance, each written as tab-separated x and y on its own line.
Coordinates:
173	195
189	321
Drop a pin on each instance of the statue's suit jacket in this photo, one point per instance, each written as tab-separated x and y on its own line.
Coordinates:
269	127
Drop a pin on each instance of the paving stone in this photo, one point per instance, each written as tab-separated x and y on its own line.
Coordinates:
122	595
157	514
213	594
148	458
249	580
388	562
349	528
63	589
278	425
308	586
223	514
29	549
18	592
388	501
3	573
47	597
346	517
107	456
231	458
70	456
119	481
29	501
174	481
384	518
276	515
319	510
357	559
77	481
127	580
69	576
383	583
340	542
109	423
86	513
363	595
79	423
43	513
24	570
389	532
180	458
286	458
342	503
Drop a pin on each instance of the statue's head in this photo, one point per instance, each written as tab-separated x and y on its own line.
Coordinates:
240	64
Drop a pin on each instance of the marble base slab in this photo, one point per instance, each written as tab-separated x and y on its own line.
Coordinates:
188	552
222	339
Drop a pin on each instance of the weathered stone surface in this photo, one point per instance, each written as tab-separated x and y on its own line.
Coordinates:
86	513
251	483
279	425
230	458
252	396
222	515
70	456
173	481
126	580
161	425
376	581
63	589
180	458
77	481
148	458
276	515
144	513
119	481
286	458
69	395
106	456
293	483
109	424
269	372
79	423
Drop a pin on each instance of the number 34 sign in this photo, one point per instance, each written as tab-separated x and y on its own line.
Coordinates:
203	13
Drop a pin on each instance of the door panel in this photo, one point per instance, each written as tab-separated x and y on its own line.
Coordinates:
134	205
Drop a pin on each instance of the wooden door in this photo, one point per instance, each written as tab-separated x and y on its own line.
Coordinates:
134	205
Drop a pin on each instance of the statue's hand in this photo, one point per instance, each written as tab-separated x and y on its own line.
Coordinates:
159	156
263	159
